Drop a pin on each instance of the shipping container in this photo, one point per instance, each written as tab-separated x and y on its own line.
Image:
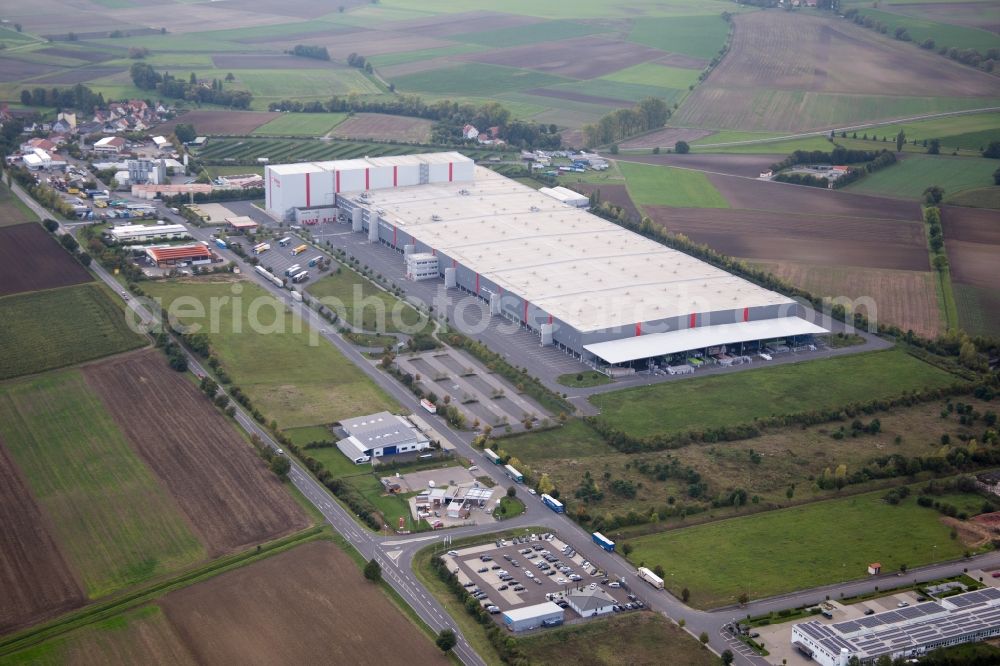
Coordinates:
553	503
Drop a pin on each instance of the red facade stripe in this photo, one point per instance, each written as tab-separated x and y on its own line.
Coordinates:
746	314
694	320
395	176
454	264
367	179
477	283
308	179
638	329
451	171
338	183
525	312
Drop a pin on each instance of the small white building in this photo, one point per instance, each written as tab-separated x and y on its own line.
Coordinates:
532	617
588	603
161	143
567	196
470	132
380	435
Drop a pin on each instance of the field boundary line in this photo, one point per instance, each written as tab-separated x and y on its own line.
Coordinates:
104	610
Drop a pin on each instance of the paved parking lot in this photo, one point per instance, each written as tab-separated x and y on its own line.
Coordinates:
526	583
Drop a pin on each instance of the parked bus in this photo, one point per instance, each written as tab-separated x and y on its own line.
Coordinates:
515	476
553	503
492	457
300	249
284	241
650	577
604	542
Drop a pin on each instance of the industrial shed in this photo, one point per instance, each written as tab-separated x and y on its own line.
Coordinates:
578	281
532	617
179	254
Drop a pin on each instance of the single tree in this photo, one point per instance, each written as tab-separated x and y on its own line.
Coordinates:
934	147
627	549
743	598
682	148
511	491
703	637
727	657
900	140
996	177
446	640
373	571
685	595
658	570
281	466
614	149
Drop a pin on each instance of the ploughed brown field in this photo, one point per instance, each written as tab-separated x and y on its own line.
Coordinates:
374	42
736	165
840	57
578	58
220	122
448	25
309	605
384	128
229	497
616	194
31	260
36	580
803	237
972	240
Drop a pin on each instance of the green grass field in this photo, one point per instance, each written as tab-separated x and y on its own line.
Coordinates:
475	79
908	178
365	306
633	638
666	186
583	379
953	131
627	92
52	329
575	439
548	31
791	549
978	309
653	74
764	145
943	34
984	197
389	59
698	36
726	400
276	84
290	374
12	209
112	518
301	124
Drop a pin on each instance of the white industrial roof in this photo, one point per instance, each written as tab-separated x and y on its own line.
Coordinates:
584	270
659	344
365	162
528	612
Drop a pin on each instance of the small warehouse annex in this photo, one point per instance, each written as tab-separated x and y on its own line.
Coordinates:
582	283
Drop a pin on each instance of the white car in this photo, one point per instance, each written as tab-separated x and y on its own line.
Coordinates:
453	553
531	491
561	581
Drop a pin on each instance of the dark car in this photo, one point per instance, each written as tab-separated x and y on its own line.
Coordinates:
519	588
869	612
502	588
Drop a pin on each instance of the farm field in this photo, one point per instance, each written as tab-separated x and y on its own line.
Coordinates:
290	378
736	164
289	609
36	579
985	197
474	79
346	290
361	126
74	457
666	186
30	259
972	241
301	124
634	638
853	76
908	178
223	488
248	150
905	298
226	123
52	329
718	561
943	32
963	131
13	211
713	402
696	36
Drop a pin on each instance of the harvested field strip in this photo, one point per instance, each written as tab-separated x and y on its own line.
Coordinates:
475	79
114	521
978	309
301	124
34	576
229	496
384	127
256	614
290	375
52	329
665	186
653	74
720	401
904	298
231	123
31	259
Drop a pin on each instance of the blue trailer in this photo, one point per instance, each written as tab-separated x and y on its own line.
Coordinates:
553	503
604	542
221	243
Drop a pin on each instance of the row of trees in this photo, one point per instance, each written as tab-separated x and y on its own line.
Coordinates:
78	97
145	77
355	60
651	113
310	51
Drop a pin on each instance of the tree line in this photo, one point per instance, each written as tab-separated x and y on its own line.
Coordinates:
145	77
649	114
78	97
309	51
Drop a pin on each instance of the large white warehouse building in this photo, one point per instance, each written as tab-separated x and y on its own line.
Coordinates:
581	282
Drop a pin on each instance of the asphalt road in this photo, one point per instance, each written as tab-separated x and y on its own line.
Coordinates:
396	553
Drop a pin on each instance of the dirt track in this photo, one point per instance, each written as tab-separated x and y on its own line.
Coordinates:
31	260
309	605
36	580
227	494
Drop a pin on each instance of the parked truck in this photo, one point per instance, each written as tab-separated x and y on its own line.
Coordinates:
261	248
292	270
650	577
300	249
221	243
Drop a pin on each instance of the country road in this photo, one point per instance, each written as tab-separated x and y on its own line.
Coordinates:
396	553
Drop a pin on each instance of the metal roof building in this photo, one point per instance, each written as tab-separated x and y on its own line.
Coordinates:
379	435
581	282
532	617
904	632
